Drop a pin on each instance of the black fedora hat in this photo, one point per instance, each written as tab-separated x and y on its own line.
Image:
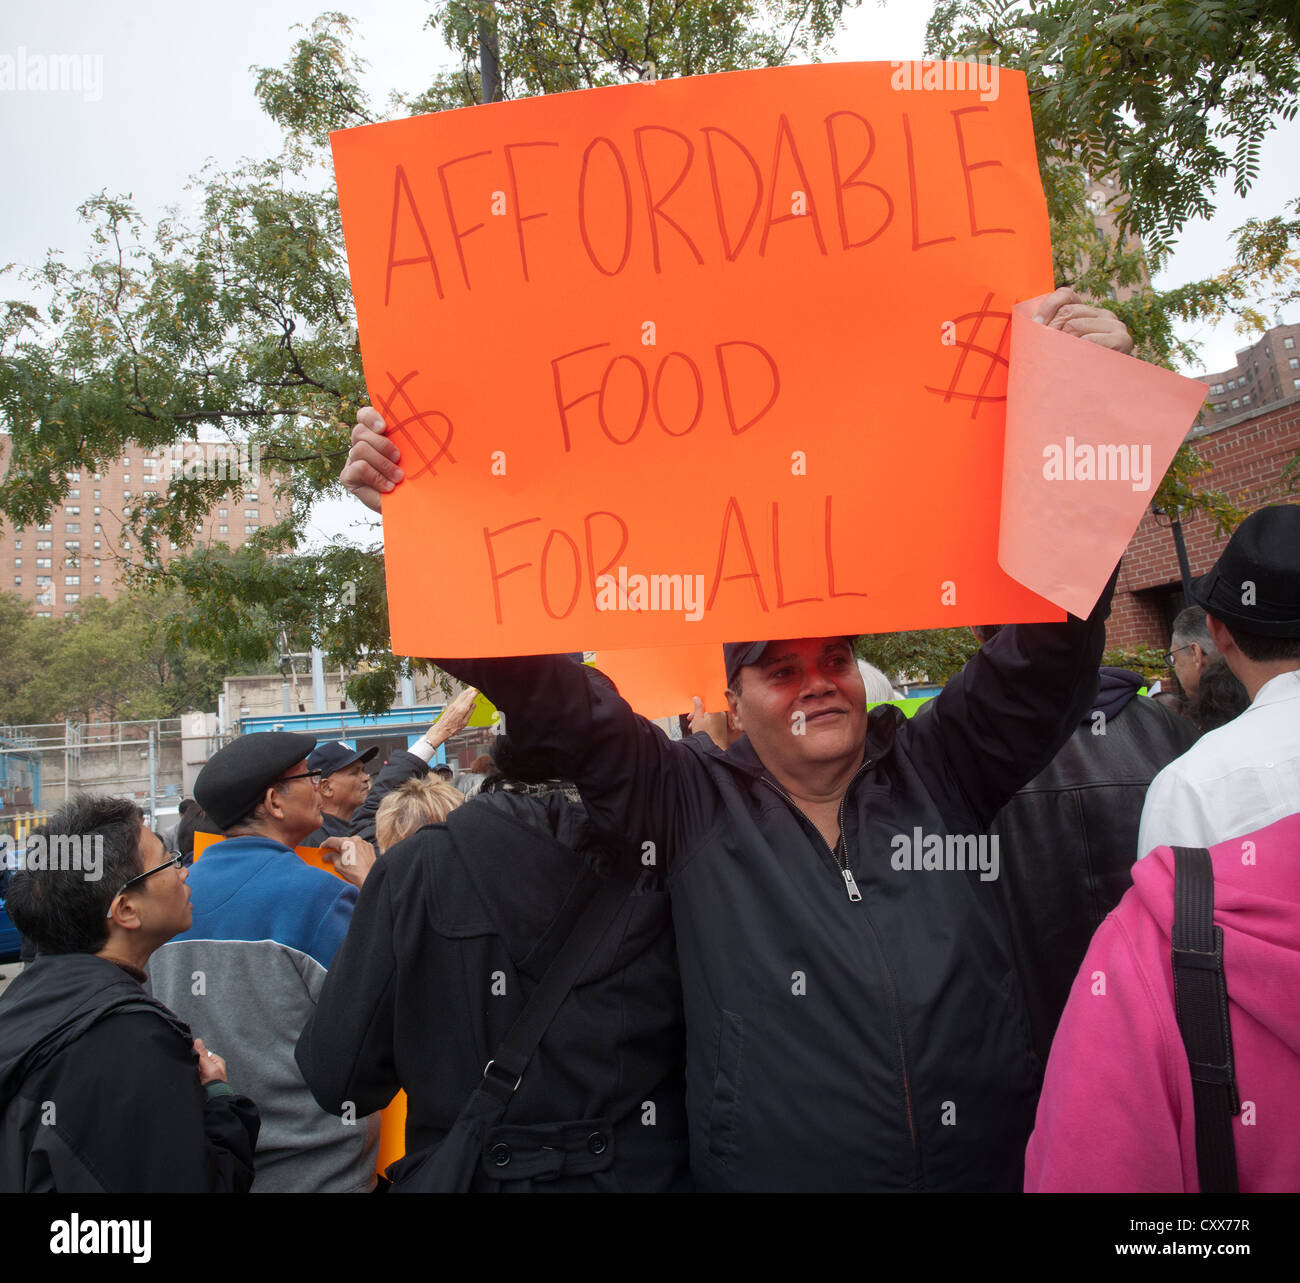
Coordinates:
1255	584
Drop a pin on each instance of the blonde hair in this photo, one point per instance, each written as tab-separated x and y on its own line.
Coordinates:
413	805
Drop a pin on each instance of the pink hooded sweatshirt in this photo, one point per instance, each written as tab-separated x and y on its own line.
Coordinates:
1116	1109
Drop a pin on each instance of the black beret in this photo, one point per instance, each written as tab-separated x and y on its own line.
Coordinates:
235	779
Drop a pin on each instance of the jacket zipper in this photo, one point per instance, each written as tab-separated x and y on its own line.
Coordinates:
855	895
846	873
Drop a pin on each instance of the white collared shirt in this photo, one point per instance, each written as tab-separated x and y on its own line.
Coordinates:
1232	781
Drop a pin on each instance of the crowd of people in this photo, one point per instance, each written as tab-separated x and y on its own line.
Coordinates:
1042	935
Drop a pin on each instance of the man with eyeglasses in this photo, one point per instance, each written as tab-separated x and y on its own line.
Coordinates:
102	1087
247	973
1191	649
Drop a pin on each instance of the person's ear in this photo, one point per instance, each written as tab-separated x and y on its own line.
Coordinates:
125	916
734	719
273	803
1220	635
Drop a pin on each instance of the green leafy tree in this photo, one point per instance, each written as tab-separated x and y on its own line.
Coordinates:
108	661
239	318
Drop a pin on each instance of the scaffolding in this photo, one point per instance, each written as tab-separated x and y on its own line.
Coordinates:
44	764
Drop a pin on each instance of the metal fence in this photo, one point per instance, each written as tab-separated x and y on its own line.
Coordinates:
42	765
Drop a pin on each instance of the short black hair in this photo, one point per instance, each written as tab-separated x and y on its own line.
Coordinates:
1264	650
64	910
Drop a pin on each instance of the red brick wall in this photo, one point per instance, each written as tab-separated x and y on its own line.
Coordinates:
1246	459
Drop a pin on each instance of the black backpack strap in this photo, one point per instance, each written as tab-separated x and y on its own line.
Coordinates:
505	1070
1201	1001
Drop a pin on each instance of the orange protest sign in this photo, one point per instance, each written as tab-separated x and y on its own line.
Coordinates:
313	855
664	681
686	361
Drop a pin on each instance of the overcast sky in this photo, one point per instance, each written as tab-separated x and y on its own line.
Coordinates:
177	89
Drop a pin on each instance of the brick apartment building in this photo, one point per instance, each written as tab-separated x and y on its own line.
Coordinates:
1266	372
1247	453
81	551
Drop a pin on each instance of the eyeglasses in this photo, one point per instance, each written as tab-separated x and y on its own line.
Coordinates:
314	776
174	862
1169	655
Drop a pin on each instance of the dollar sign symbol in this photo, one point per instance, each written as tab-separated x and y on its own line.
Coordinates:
969	346
423	418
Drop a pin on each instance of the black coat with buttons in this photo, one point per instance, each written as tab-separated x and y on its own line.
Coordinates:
835	1043
452	931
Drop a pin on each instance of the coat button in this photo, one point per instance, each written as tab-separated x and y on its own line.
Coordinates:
596	1142
499	1154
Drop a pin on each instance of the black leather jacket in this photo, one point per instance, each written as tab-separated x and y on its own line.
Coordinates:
1068	839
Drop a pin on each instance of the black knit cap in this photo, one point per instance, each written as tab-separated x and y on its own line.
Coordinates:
235	779
1255	584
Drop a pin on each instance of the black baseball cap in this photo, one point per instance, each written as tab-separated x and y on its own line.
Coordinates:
737	655
335	755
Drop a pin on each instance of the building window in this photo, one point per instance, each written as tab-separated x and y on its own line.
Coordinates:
18	581
1295	383
96	494
44	563
45	527
43	545
95	560
1294	362
18	543
42	614
72	528
74	494
1236	405
97	545
73	476
96	579
250	527
126	463
72	543
71	596
223	530
1246	399
72	512
71	579
126	479
223	512
18	561
1288	344
43	581
250	514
